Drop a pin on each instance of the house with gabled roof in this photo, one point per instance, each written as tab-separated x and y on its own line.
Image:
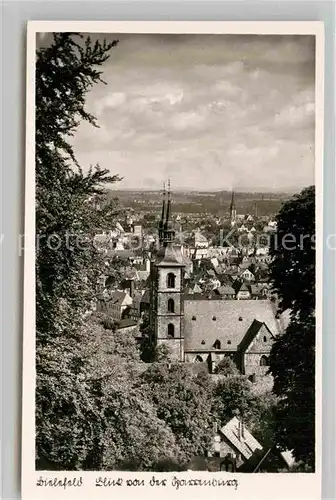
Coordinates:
114	303
258	291
142	275
247	275
235	441
243	291
227	292
200	240
194	289
235	449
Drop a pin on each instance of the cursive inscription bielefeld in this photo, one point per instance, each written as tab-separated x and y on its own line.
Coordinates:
57	482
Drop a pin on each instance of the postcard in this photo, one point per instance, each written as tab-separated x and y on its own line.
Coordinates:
173	260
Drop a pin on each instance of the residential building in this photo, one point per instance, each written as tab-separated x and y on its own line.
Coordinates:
200	241
237	450
200	253
247	275
227	292
115	304
243	291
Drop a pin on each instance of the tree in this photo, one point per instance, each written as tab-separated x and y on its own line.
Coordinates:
70	206
128	433
233	396
227	367
134	438
183	401
292	359
292	363
293	251
101	418
262	422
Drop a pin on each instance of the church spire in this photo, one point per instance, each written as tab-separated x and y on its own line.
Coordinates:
168	206
233	212
168	231
162	221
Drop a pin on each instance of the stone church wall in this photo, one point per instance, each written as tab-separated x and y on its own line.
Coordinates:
162	326
252	364
162	303
162	279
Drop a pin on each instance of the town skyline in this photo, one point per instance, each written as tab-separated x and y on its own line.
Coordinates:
247	190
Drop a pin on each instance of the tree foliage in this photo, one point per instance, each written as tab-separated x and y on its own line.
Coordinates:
69	209
67	213
183	401
227	367
292	363
292	359
233	396
293	251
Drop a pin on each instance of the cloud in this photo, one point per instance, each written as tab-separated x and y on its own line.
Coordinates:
293	116
213	111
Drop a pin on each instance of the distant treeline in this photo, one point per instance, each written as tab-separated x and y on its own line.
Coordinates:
246	203
197	196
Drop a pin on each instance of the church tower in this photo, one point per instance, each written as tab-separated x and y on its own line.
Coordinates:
233	211
166	313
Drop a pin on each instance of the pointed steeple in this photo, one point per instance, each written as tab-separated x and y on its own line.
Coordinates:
162	221
232	202
168	232
233	211
168	207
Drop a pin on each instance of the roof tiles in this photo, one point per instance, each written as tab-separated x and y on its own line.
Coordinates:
233	320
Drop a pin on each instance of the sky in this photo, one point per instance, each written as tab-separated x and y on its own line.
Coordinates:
207	111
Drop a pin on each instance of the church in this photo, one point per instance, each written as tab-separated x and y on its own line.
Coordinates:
202	329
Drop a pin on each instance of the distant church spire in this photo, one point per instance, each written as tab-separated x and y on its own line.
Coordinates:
233	212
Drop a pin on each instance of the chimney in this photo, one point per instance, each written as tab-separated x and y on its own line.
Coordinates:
240	430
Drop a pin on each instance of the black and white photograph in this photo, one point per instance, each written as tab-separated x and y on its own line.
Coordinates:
175	325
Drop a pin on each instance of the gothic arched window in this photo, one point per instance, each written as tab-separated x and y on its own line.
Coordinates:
171	305
198	359
171	330
217	344
264	361
171	280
